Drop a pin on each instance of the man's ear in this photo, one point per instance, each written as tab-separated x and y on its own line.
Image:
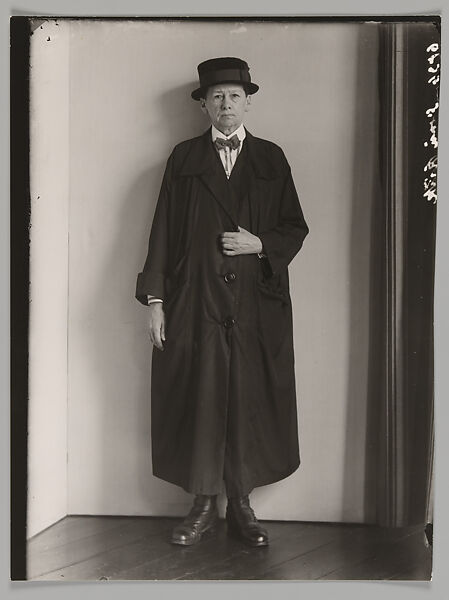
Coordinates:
203	105
248	103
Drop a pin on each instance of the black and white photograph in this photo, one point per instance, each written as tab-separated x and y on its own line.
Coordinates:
230	344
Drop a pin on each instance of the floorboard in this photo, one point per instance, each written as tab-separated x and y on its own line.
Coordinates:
138	548
350	546
71	528
296	539
421	571
74	557
389	559
219	556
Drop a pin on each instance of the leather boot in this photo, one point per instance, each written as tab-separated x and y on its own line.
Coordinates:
242	522
202	518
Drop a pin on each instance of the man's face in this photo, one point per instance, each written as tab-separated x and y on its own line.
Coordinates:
226	104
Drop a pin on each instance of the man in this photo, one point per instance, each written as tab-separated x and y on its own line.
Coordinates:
227	224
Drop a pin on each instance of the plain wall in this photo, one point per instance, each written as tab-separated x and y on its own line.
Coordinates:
49	181
130	85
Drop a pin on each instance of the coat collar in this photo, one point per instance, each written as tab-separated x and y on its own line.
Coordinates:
201	159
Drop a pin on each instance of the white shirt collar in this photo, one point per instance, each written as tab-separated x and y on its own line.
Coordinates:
239	132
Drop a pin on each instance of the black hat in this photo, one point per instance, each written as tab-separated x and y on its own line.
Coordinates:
223	70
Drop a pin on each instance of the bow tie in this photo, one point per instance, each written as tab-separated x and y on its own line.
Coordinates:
233	143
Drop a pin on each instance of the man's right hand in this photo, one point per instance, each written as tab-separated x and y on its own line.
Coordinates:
157	324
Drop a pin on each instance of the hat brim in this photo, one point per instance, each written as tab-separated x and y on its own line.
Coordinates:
251	88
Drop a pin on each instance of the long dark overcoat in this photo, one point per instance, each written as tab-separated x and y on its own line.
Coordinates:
223	389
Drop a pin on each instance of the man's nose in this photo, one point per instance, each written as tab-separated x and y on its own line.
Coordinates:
226	102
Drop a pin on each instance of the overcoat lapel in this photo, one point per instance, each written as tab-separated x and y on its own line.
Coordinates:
203	162
259	167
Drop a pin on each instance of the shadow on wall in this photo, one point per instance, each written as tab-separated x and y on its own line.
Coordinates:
181	118
364	316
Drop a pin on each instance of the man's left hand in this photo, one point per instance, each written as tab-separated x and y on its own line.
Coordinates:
240	242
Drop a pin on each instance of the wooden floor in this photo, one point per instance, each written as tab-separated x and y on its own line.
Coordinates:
84	548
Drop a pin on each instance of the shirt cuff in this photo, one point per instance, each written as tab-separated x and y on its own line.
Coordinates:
262	253
151	299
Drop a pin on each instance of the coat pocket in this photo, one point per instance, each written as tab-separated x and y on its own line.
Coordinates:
273	289
273	302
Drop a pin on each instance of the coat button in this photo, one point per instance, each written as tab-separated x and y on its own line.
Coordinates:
229	277
229	322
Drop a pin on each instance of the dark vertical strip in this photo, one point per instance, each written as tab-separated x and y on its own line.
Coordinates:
406	406
387	476
419	267
19	287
